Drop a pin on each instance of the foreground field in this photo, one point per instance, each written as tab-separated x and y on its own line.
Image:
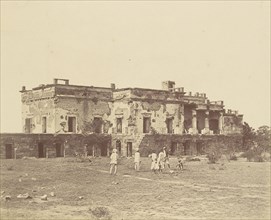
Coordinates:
83	190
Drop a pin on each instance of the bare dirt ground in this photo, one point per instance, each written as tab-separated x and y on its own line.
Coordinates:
83	190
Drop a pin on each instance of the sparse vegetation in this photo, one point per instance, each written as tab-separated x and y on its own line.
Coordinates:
10	168
133	195
100	212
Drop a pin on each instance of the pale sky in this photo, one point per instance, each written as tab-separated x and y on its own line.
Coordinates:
214	47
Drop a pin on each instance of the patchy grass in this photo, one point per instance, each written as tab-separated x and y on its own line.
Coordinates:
84	190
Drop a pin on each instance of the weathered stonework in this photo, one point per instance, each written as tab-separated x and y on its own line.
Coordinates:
50	145
134	118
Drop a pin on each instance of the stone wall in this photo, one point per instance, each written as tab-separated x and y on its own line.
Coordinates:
190	144
36	105
84	110
49	145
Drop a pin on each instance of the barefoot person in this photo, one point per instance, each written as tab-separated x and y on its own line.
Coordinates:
160	160
137	160
180	163
114	162
154	164
166	157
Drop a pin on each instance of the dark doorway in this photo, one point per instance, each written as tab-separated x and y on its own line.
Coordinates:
187	124
97	125
173	147
44	125
91	150
104	150
28	125
9	151
41	152
146	124
213	125
169	123
199	148
129	149
59	150
186	148
118	147
71	124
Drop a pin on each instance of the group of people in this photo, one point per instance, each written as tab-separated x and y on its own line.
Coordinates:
158	163
114	161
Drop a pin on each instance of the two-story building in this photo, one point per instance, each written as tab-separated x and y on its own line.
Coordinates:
60	117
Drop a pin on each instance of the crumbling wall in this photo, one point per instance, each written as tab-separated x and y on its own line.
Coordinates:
151	94
85	110
158	113
187	117
35	105
94	93
195	145
27	145
119	110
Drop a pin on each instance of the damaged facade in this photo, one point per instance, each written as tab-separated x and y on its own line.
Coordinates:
132	117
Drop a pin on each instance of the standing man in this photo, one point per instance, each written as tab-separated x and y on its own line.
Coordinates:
137	160
161	161
166	157
114	162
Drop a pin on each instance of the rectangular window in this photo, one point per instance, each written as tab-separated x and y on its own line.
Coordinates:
71	124
129	149
28	125
169	123
97	125
146	124
119	125
44	125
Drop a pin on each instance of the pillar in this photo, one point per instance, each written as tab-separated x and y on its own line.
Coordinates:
220	122
194	121
206	121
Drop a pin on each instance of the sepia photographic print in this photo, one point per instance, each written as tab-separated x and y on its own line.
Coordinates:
119	110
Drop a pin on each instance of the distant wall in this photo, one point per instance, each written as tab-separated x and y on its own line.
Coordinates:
190	144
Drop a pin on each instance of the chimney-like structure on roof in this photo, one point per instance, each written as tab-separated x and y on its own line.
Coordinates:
168	85
113	86
66	81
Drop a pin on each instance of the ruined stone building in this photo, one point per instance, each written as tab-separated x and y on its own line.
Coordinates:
126	118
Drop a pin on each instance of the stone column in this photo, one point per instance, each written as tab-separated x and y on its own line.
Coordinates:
206	121
194	121
220	122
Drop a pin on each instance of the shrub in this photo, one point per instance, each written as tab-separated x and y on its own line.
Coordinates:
233	157
100	212
213	158
258	158
253	155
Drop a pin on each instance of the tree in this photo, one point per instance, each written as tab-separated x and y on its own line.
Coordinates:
249	136
263	135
